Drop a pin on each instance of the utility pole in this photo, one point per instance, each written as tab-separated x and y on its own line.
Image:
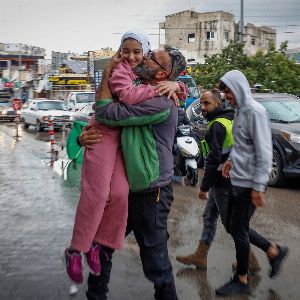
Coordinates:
242	22
159	36
88	68
19	70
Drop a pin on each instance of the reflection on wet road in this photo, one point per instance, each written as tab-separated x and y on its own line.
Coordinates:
37	206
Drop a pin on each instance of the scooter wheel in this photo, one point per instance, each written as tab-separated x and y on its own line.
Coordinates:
192	176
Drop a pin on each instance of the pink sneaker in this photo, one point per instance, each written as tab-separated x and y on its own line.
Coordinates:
74	265
93	259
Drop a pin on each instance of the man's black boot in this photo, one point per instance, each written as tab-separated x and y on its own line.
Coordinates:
98	285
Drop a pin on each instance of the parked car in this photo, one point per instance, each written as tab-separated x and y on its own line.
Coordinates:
77	100
84	114
7	112
38	112
284	112
193	93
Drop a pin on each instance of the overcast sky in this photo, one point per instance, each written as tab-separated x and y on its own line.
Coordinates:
81	25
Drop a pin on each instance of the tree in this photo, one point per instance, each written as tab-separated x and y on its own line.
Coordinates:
273	70
276	71
232	57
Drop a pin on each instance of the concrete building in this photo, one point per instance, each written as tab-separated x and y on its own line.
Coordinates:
258	38
18	48
294	54
58	58
2	47
199	34
103	53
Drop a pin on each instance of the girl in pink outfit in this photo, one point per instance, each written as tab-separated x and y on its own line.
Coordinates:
101	215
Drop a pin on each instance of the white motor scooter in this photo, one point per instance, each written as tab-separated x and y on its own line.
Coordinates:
188	151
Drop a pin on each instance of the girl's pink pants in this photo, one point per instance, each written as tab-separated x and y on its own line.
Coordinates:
102	210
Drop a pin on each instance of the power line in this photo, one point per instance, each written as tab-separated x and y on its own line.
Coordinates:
248	4
269	16
269	9
194	28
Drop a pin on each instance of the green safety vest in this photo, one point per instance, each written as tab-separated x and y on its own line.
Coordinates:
228	141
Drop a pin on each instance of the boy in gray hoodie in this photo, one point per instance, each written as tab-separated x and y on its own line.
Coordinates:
249	168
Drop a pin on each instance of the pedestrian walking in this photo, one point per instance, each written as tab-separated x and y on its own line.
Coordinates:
214	187
249	167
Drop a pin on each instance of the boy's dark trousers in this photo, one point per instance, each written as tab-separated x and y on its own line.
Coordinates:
240	211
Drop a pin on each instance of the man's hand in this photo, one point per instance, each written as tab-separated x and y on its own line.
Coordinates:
170	88
89	137
203	195
167	87
258	199
226	168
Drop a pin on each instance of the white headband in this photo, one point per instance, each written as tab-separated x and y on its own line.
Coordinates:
140	37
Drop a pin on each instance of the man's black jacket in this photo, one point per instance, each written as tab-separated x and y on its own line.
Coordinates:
215	137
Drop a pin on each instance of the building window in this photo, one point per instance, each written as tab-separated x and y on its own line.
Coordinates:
190	59
253	41
226	36
191	38
211	35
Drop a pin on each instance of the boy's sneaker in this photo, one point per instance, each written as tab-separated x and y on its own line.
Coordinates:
93	258
73	263
277	261
233	287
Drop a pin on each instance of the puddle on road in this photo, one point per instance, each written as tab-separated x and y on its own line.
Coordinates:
69	170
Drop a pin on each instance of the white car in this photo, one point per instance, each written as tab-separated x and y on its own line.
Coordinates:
38	112
85	113
77	100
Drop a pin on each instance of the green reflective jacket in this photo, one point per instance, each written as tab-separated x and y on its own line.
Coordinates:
228	141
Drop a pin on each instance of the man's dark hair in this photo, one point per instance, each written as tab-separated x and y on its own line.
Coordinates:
216	95
178	62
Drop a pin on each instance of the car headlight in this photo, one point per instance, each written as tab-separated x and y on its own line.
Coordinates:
292	137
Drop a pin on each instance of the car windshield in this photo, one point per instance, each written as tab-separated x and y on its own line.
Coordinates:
5	104
85	97
283	110
49	105
193	90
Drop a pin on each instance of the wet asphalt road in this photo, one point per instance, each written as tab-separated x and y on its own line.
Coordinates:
37	206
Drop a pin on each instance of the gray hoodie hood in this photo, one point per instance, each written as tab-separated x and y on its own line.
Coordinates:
237	82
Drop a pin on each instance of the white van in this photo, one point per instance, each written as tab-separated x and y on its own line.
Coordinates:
77	100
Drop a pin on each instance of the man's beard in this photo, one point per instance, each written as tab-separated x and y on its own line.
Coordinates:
144	72
204	113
